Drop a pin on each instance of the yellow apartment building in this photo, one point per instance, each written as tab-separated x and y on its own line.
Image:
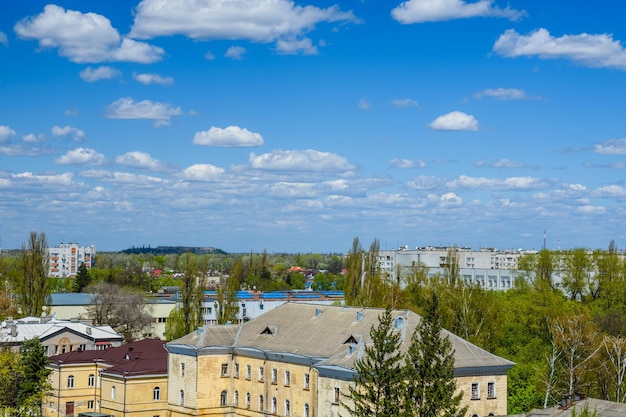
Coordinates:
298	360
130	380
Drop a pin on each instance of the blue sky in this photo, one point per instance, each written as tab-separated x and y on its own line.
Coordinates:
296	126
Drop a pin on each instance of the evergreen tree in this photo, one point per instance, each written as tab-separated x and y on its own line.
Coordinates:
429	369
83	278
32	285
378	389
34	386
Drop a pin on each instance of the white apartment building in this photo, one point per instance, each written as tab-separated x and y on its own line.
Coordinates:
67	257
489	267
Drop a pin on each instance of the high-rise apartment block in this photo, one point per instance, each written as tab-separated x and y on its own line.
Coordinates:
67	257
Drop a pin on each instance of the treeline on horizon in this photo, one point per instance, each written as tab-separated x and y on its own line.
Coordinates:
173	250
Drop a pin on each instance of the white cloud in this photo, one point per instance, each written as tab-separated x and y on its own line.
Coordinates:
406	163
126	108
231	136
147	79
364	104
404	103
616	191
209	56
455	120
419	11
53	179
81	156
235	52
295	46
203	172
597	51
71	112
308	160
611	147
75	133
137	159
33	138
3	39
264	21
589	209
84	37
502	93
6	132
512	183
101	73
424	182
450	199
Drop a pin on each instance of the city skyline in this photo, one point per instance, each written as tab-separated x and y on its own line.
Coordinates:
296	126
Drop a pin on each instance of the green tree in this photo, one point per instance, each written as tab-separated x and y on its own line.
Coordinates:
429	369
10	374
34	385
378	389
354	274
32	285
577	270
82	280
227	305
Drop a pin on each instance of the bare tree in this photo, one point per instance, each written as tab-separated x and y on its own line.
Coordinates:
124	310
615	348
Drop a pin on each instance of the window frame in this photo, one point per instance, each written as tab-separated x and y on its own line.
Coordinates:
70	381
475	391
491	389
91	380
224	370
156	394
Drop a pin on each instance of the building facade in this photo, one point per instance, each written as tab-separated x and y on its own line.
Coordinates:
129	380
299	360
67	257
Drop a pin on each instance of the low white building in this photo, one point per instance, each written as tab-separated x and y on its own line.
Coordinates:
67	257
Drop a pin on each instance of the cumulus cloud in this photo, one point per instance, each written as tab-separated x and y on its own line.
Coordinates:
404	103
126	108
589	209
90	74
33	138
3	39
75	133
264	21
202	172
229	137
610	147
235	52
406	163
53	179
455	120
6	132
307	160
610	191
296	46
512	183
148	79
597	51
84	37
419	11
502	94
137	159
81	156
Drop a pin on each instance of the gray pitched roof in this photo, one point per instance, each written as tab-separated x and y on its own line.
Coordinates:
323	334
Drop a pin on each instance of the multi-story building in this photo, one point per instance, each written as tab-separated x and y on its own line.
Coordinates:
299	360
67	257
489	267
130	380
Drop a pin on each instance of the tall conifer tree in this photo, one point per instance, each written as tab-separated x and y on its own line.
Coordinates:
429	370
378	389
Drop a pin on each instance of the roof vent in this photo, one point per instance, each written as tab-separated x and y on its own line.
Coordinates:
318	312
398	322
88	330
351	340
359	316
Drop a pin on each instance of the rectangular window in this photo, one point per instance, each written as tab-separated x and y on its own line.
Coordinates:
90	404
287	378
274	376
306	381
224	369
236	370
475	391
491	390
182	369
337	396
248	371
261	373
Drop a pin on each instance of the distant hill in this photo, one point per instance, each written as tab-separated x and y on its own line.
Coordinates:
174	250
